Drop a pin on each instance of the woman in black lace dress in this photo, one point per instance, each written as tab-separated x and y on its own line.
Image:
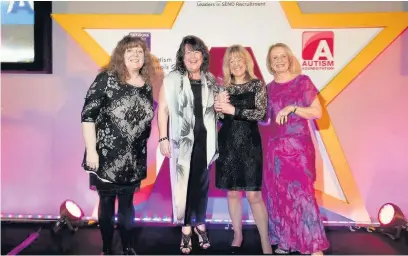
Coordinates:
116	124
239	166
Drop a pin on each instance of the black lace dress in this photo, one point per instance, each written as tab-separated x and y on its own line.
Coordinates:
122	114
240	162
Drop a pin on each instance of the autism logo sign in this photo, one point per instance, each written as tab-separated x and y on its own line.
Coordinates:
318	50
145	36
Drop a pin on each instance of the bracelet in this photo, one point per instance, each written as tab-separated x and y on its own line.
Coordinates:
294	110
162	139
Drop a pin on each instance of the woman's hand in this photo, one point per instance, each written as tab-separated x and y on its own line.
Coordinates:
92	159
222	97
220	103
165	148
224	107
282	116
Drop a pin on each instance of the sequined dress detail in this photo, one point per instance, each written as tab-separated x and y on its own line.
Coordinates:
239	166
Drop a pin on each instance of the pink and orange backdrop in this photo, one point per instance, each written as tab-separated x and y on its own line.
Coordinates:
361	141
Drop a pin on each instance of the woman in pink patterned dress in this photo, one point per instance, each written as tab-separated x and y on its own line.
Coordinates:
294	218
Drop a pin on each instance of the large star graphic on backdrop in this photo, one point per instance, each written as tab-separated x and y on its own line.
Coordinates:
76	24
393	24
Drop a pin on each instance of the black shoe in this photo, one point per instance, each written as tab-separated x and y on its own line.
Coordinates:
202	238
186	246
235	249
129	251
107	252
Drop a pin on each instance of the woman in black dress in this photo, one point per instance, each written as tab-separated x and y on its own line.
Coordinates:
116	124
186	107
239	166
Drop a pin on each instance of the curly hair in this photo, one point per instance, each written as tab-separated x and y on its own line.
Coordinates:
196	45
117	60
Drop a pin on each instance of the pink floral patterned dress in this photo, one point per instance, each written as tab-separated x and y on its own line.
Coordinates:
294	217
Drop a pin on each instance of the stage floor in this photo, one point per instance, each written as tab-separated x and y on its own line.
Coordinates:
165	241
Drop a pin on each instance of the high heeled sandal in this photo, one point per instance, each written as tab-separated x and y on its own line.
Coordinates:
202	238
129	251
186	247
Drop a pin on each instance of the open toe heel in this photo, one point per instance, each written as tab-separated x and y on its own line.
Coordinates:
186	246
202	238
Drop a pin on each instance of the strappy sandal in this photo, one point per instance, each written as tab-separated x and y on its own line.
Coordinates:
202	238
186	247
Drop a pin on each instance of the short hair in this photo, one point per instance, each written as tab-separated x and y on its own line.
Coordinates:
237	50
197	45
294	65
117	62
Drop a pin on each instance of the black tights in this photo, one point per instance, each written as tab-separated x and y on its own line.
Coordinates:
126	214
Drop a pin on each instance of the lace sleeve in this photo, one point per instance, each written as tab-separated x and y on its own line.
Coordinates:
94	98
261	100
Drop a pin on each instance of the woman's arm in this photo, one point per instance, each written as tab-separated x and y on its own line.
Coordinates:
163	120
89	135
268	115
163	113
261	101
311	109
312	112
93	103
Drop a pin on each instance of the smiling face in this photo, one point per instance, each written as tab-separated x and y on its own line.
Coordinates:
134	58
279	60
192	59
237	65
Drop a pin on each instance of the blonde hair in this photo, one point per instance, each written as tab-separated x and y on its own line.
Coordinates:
294	65
237	50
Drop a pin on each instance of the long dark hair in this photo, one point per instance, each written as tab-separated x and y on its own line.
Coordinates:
196	45
117	61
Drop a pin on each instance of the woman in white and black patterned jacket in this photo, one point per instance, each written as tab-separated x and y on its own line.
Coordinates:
186	105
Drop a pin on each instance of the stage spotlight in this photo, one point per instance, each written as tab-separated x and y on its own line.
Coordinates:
392	221
70	215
